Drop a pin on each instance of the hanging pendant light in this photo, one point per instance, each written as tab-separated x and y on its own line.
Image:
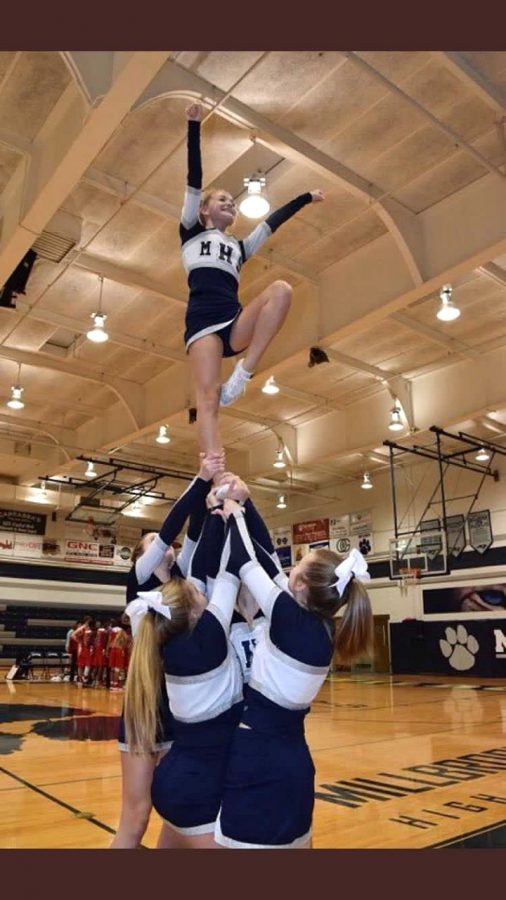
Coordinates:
270	386
366	482
447	312
98	334
90	471
254	205
395	423
163	437
281	504
16	399
279	462
482	455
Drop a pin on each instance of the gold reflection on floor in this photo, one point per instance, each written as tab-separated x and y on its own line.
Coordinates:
400	762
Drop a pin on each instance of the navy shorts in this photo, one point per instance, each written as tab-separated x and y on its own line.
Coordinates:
222	333
187	787
268	797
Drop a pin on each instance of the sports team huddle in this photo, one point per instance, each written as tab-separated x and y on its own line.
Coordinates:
228	651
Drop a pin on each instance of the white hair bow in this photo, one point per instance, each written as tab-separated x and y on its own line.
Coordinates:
146	600
354	565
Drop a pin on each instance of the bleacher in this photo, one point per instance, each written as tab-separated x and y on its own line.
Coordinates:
27	629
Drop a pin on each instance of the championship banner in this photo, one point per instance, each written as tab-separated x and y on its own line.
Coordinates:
282	540
21	522
339	534
309	532
480	530
455	529
361	536
431	545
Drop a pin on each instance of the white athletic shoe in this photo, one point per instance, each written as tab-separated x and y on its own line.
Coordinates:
235	385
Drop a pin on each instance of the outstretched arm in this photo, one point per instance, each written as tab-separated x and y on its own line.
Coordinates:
191	205
192	537
206	558
238	490
243	563
262	232
225	590
194	495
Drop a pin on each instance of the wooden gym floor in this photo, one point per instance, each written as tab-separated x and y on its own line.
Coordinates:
400	762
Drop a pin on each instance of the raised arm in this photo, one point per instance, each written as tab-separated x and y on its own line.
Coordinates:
262	232
191	205
192	537
205	561
194	495
225	590
243	563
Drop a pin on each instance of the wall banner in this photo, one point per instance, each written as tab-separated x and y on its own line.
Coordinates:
282	540
455	529
22	522
309	532
480	530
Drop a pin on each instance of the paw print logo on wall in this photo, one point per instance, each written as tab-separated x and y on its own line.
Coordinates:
459	647
364	545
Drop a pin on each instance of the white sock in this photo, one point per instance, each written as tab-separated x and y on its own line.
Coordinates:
242	371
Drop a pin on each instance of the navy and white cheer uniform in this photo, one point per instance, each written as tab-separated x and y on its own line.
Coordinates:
268	796
248	621
149	572
213	259
204	685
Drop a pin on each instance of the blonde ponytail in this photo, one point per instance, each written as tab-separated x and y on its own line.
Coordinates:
143	686
145	671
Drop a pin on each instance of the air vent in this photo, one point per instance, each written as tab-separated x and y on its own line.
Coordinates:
62	233
53	246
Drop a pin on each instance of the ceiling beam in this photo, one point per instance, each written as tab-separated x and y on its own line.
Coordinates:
129	393
494	272
175	81
493	424
491	94
68	142
142	345
452	135
126	276
172	213
436	336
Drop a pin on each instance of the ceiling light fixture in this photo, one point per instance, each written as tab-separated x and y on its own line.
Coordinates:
254	204
279	462
395	423
41	493
90	471
482	455
366	482
270	386
163	437
135	509
447	312
98	334
281	504
16	398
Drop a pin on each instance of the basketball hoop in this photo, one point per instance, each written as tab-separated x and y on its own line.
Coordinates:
409	578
